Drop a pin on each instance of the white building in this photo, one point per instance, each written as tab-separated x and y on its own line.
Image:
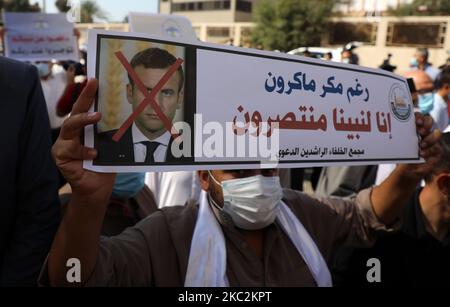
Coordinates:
210	10
230	21
367	7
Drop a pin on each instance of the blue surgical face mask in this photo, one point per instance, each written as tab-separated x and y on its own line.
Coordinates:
43	69
413	62
128	185
426	103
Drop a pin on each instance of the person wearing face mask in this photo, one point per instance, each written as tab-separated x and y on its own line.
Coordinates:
348	57
423	100
245	231
441	99
420	62
76	81
424	91
418	255
53	85
131	201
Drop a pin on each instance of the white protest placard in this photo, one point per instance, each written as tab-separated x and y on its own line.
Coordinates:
242	108
164	25
39	37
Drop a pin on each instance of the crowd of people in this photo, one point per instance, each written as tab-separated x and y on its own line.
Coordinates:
212	228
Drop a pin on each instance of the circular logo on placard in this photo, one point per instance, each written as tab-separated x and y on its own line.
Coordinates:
41	23
398	100
171	28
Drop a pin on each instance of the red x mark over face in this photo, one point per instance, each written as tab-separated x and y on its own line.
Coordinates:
149	97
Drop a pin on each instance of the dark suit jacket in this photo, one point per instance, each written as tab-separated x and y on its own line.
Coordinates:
29	210
122	152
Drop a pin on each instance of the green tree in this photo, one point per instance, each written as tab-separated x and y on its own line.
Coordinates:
61	5
422	7
288	24
18	6
89	10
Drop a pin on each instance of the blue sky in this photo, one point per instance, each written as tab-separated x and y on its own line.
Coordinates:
116	9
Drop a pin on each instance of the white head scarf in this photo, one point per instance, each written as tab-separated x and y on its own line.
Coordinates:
207	257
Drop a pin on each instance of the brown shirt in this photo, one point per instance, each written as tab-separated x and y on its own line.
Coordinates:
155	252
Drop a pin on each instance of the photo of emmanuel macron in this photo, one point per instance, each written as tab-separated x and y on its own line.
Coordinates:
146	141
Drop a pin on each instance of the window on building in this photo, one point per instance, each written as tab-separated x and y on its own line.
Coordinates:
218	32
202	6
208	6
342	33
244	6
407	34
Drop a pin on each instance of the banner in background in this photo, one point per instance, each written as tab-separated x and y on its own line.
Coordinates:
164	25
39	37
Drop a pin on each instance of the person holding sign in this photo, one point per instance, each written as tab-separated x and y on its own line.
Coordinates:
417	255
246	231
147	140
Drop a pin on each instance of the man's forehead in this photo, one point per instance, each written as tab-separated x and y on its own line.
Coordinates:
148	70
155	74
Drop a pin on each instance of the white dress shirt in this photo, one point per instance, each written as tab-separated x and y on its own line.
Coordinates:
140	150
53	88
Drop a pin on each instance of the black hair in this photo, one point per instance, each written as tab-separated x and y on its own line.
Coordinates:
443	78
155	58
444	162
